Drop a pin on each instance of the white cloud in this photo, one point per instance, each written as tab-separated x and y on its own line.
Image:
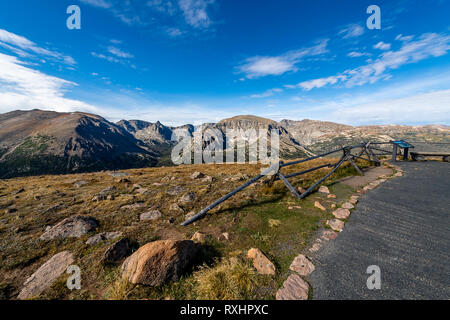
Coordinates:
26	48
195	12
98	3
104	57
382	46
352	31
119	53
174	32
356	54
23	87
428	45
267	93
256	67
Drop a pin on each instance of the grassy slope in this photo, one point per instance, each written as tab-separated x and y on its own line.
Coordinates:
245	216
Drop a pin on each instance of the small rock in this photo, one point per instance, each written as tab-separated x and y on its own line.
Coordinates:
261	263
175	208
341	213
353	201
347	205
197	175
18	191
318	205
37	198
151	215
324	189
117	252
190	215
46	275
315	247
294	288
336	225
133	206
10	210
301	190
333	205
224	236
123	180
199	237
159	262
79	184
110	197
188	197
398	174
72	227
105	236
175	191
302	265
141	190
329	235
208	179
331	196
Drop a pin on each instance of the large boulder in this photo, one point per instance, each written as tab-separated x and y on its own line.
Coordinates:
151	215
46	275
159	262
72	227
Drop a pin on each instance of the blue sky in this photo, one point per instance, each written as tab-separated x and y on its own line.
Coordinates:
194	61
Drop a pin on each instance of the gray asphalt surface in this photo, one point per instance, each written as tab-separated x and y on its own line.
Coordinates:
403	226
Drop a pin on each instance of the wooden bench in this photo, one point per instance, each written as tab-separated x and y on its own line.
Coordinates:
421	155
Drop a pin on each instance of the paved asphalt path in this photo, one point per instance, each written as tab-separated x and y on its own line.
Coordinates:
403	226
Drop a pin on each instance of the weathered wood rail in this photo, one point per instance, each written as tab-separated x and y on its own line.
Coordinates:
370	149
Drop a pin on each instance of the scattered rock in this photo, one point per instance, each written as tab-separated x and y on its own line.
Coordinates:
302	265
273	223
333	205
315	247
301	190
197	175
133	206
336	225
329	235
208	179
72	227
159	262
261	263
10	210
105	236
294	207
175	191
341	213
294	288
190	215
151	215
199	237
398	174
110	197
347	205
18	191
123	180
118	174
175	208
117	252
142	190
79	184
331	196
324	189
188	197
46	275
318	205
37	198
224	236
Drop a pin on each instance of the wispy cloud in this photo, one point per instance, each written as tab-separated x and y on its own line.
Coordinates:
352	31
195	12
357	54
428	45
98	3
119	53
266	94
26	48
382	46
261	66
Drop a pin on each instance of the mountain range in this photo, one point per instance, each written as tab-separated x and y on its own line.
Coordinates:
40	142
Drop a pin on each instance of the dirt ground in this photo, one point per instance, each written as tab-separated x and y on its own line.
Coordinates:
370	175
